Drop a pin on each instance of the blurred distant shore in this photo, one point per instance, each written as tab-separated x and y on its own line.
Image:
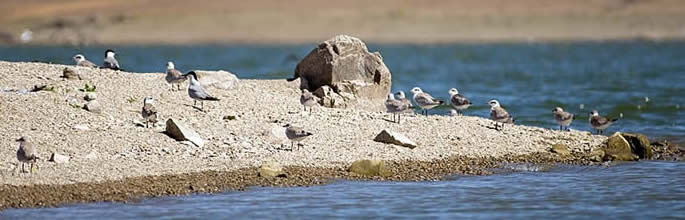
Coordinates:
304	21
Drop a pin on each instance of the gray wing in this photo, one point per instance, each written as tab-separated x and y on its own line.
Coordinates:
598	121
426	99
149	112
563	116
27	151
111	63
499	114
296	132
197	91
308	98
86	63
395	106
459	99
174	76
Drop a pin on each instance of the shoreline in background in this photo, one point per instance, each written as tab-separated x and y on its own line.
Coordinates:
309	21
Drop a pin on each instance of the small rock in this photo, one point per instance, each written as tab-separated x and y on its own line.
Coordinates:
58	158
70	74
560	149
329	98
370	168
81	127
90	96
395	138
271	169
230	117
93	106
180	132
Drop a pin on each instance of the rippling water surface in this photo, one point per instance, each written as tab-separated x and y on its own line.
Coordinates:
529	79
642	190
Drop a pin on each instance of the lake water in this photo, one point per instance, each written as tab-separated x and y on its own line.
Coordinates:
529	79
641	190
643	81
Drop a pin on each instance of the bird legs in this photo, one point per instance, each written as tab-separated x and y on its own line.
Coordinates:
31	169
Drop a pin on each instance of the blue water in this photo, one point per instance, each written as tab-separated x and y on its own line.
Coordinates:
529	79
642	190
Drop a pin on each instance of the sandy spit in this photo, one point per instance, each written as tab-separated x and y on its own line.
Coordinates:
115	154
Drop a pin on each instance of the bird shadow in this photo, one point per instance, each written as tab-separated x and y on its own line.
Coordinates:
388	120
196	108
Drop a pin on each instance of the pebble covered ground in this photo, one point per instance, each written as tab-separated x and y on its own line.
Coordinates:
111	145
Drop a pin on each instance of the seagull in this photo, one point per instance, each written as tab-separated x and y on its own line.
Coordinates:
600	123
174	76
149	112
110	62
395	106
295	134
307	99
425	100
81	61
458	101
26	153
563	118
499	115
197	92
402	98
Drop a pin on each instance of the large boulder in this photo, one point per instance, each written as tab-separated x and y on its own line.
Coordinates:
370	168
346	65
639	144
217	79
618	148
180	132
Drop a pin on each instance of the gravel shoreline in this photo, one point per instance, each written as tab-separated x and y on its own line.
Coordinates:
117	160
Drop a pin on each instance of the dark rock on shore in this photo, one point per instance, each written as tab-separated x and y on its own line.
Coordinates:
639	144
627	147
618	148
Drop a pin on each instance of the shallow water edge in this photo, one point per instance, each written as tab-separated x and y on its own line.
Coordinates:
137	188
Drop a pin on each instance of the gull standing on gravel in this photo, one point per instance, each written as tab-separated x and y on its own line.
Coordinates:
458	101
425	100
402	98
395	107
110	62
174	77
81	61
563	118
307	99
26	153
600	123
197	92
499	114
149	112
295	134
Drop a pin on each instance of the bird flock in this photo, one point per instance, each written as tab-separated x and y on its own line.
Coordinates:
396	104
